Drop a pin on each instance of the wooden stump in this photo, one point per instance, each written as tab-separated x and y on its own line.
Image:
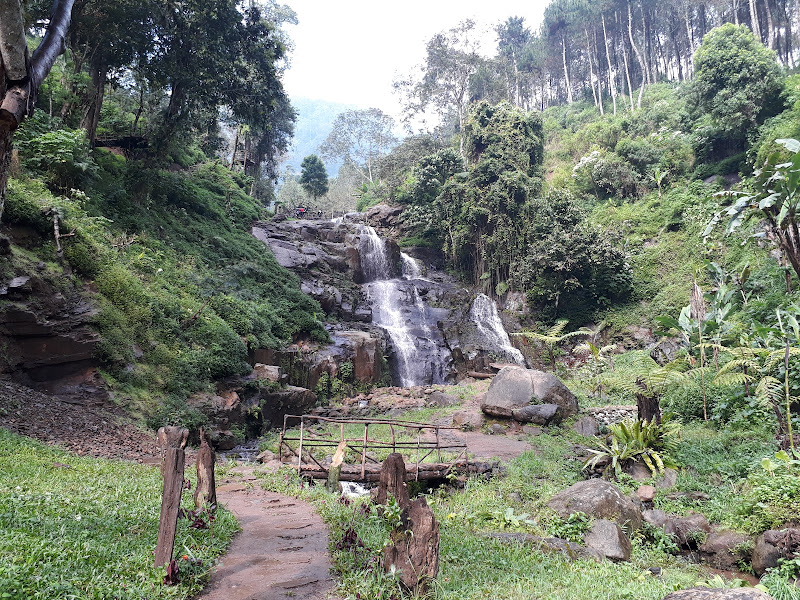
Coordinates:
172	441
335	471
206	491
414	548
393	481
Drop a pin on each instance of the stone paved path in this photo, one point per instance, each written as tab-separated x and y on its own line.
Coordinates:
281	553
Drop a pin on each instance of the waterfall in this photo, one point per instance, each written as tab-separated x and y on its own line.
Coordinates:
484	314
411	268
420	356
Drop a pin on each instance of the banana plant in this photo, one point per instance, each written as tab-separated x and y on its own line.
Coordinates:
776	201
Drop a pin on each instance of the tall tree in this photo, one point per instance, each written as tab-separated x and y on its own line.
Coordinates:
451	59
21	76
360	138
512	37
313	176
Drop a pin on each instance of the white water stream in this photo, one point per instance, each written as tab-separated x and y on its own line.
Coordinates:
484	314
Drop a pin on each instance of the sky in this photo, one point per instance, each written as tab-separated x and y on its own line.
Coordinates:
350	51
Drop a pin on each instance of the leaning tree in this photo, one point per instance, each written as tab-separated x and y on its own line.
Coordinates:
21	74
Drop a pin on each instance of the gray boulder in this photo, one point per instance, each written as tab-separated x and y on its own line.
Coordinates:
726	549
701	593
514	388
773	545
655	517
470	420
599	499
441	399
540	414
607	538
586	426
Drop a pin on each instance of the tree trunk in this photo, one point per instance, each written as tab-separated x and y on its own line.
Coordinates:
647	406
628	76
754	20
172	441
642	63
566	70
611	86
597	99
413	551
771	33
393	481
20	78
91	117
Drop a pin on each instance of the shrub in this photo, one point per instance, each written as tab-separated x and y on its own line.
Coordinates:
774	495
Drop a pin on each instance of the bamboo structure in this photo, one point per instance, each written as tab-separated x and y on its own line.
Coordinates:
299	442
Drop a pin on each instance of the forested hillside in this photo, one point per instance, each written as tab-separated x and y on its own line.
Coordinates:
135	182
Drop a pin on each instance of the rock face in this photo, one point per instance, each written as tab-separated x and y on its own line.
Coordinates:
609	540
701	593
45	335
515	388
773	545
600	499
238	410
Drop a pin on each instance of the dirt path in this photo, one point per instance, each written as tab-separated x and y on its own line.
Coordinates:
281	553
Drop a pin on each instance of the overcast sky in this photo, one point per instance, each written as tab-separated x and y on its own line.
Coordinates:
350	51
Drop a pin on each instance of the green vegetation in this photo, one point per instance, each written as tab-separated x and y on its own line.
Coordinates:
60	538
184	290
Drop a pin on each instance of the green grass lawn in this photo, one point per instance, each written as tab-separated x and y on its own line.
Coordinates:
80	528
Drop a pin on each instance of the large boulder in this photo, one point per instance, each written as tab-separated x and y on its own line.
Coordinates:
726	550
773	545
599	499
515	388
609	540
702	593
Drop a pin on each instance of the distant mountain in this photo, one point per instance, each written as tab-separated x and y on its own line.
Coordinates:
314	122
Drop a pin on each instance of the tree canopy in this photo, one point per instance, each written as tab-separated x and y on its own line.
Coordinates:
314	177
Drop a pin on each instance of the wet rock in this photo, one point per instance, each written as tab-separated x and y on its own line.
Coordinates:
514	388
607	538
586	426
600	499
383	215
702	593
540	414
726	549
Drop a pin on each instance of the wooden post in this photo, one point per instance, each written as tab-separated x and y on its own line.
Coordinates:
206	491
172	441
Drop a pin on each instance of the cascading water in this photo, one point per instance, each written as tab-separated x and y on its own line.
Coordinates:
397	307
484	314
411	268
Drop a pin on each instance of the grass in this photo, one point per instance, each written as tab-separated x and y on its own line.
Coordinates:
83	528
